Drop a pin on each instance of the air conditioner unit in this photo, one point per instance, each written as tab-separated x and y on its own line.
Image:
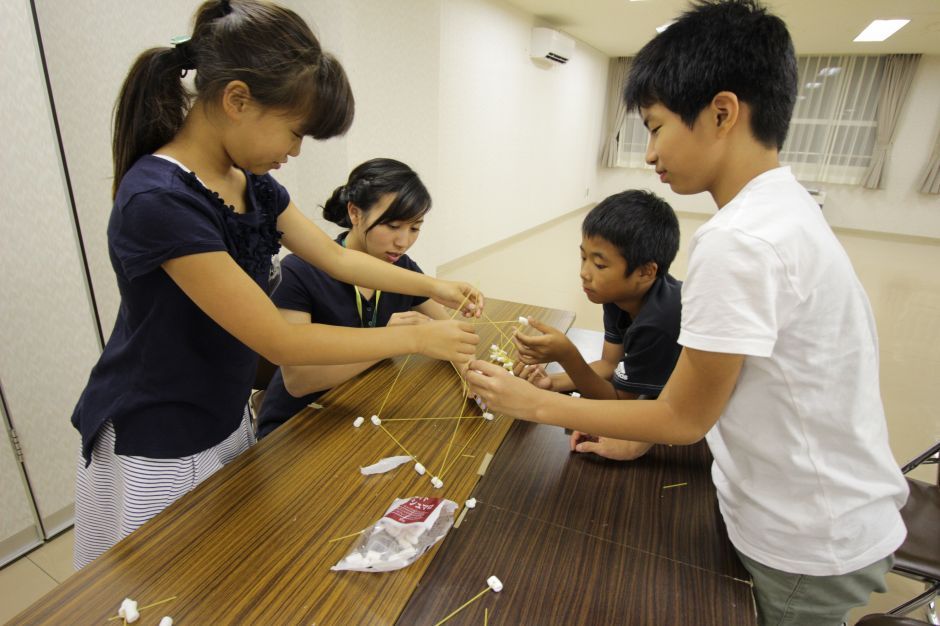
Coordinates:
552	45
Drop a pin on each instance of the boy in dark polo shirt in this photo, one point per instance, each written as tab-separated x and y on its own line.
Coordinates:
628	242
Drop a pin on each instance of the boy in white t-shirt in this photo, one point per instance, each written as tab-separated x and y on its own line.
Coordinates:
779	368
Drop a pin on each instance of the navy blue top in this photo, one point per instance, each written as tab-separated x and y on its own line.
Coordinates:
329	301
650	342
171	380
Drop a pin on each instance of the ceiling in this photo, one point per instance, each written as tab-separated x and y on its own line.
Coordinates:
621	27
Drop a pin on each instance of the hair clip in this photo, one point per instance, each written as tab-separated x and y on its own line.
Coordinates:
184	52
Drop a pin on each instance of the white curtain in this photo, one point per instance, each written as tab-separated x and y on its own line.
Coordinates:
616	109
833	129
898	76
931	182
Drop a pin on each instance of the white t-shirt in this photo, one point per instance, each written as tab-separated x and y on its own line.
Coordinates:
806	481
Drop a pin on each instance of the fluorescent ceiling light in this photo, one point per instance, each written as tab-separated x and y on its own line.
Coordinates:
829	71
879	30
663	27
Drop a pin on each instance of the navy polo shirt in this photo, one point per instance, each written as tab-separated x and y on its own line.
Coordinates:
329	301
171	380
650	342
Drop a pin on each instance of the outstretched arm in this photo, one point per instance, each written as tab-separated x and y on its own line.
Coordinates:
224	292
306	240
690	404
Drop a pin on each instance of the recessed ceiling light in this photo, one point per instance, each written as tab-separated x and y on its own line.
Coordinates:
879	30
663	27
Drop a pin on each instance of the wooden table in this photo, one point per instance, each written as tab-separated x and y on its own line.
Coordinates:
575	540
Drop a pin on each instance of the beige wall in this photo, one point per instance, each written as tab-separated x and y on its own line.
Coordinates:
541	267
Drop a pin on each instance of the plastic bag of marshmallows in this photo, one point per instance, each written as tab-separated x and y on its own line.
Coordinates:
407	530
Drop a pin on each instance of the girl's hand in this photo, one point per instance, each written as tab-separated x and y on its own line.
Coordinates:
450	340
407	318
455	294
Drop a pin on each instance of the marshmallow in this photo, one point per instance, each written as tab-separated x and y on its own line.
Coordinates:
166	621
419	468
488	416
437	482
129	610
508	366
471	503
358	421
376	420
494	583
575	394
355	559
494	348
523	320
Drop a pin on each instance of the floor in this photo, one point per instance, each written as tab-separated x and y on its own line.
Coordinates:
905	303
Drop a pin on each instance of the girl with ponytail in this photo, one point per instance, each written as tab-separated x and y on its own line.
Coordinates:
382	206
196	222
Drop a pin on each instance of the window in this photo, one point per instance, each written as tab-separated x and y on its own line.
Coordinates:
833	129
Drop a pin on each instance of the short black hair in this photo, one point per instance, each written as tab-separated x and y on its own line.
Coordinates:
720	45
640	224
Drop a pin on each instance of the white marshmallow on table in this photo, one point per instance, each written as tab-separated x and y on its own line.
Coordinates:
128	610
575	394
358	421
523	320
419	468
437	482
488	416
471	503
376	420
494	583
166	621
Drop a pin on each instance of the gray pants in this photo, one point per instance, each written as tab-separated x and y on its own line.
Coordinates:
785	599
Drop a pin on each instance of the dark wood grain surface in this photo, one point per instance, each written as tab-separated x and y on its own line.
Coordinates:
628	503
252	545
556	575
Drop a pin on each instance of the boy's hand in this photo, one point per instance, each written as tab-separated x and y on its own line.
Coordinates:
407	318
616	449
453	294
551	345
501	391
535	374
448	340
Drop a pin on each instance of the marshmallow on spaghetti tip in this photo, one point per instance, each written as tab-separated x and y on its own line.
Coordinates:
419	468
471	503
358	421
494	583
488	416
524	320
376	420
437	482
166	621
129	611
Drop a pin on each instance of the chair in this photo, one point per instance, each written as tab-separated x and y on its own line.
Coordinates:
880	619
919	555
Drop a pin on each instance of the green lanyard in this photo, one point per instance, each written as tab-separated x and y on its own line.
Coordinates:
375	312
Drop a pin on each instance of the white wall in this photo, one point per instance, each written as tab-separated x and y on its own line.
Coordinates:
48	340
519	138
897	209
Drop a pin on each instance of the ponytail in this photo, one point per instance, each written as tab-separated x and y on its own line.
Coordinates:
149	110
270	48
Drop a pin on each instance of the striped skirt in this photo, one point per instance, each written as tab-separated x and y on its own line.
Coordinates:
117	494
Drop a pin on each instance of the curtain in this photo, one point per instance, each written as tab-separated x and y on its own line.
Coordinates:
898	76
931	182
616	109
